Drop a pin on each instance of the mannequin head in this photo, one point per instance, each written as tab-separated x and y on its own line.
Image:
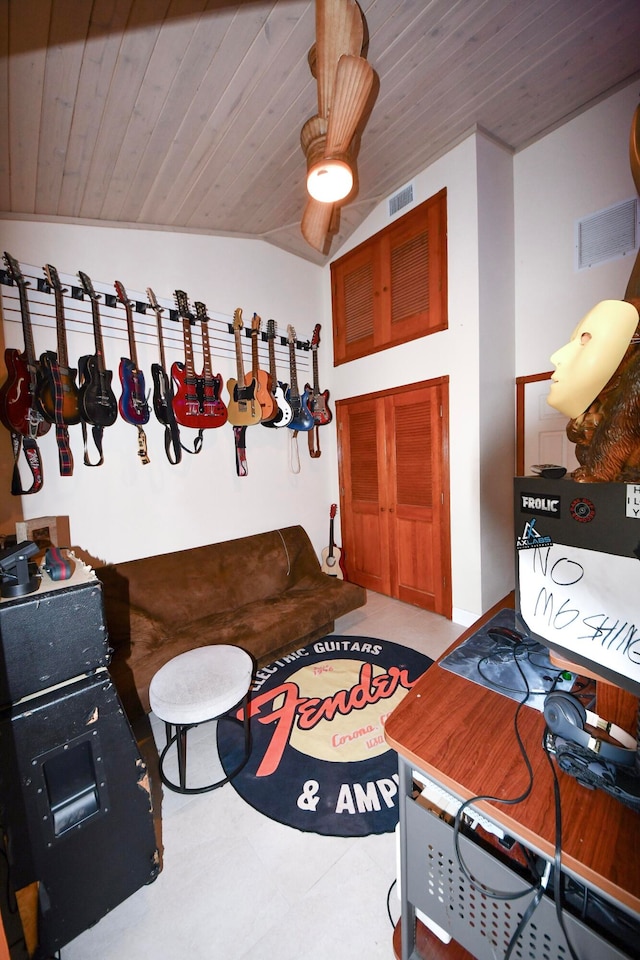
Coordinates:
587	363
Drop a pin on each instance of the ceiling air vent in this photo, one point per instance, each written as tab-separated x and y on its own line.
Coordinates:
401	199
607	234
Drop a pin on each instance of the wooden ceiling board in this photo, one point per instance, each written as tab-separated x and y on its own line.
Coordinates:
186	114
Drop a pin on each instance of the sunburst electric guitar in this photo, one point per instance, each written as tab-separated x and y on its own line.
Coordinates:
264	392
66	375
244	407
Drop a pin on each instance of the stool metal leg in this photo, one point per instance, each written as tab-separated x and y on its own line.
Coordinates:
181	735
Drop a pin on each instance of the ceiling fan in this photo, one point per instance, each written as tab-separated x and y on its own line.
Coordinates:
329	139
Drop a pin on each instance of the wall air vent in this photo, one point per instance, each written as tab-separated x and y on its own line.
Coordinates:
401	199
607	234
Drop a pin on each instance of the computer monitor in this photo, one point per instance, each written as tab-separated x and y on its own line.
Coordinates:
578	573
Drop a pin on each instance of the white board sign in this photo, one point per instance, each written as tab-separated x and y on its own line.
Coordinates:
585	602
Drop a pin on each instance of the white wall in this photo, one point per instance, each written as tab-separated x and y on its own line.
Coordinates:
577	170
453	352
123	510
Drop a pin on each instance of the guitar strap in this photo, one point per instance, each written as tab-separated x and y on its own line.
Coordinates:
142	446
313	437
96	433
65	457
172	445
242	468
34	461
294	452
197	443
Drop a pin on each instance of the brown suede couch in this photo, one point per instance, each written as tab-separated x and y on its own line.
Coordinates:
264	592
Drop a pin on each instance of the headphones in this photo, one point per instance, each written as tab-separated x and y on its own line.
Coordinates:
566	717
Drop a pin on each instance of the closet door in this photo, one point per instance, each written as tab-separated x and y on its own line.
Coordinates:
363	492
394	488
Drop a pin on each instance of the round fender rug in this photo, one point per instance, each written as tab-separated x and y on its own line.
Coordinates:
319	759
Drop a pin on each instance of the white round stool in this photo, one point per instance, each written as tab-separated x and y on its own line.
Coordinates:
196	687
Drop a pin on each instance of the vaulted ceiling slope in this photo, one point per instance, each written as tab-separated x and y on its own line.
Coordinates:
186	114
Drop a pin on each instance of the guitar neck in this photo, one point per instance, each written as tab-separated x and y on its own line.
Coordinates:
316	379
331	540
97	335
61	334
158	310
255	362
26	322
206	351
239	360
133	353
188	348
293	373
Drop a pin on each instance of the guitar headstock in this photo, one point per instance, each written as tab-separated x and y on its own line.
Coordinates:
182	303
291	334
332	512
237	319
201	311
315	339
52	278
87	286
255	323
14	269
153	303
122	294
271	329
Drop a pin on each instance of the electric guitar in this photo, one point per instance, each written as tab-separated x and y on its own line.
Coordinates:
67	375
285	413
302	418
213	406
163	390
244	408
263	379
331	562
133	404
20	409
97	401
189	402
318	399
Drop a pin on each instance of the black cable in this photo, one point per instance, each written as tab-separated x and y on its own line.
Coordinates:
477	884
391	920
557	860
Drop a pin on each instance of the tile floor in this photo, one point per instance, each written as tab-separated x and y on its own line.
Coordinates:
238	886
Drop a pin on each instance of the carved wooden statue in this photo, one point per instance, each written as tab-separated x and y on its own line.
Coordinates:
597	377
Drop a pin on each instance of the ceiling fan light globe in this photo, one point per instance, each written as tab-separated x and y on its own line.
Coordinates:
330	180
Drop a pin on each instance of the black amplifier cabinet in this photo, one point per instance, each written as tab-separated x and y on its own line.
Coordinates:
50	636
75	806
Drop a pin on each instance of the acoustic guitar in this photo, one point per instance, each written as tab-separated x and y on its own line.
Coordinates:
244	408
332	562
133	404
212	404
302	418
285	414
20	408
264	393
67	375
96	399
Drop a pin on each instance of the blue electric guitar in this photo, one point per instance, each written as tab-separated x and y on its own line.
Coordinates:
302	418
133	404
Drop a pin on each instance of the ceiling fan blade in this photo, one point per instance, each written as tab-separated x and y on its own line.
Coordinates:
339	30
316	223
354	79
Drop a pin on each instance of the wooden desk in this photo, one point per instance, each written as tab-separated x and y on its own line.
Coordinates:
462	736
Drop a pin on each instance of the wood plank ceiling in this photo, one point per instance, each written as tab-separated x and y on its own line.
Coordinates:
186	114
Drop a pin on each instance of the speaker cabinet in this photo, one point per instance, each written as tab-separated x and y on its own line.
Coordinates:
50	636
75	804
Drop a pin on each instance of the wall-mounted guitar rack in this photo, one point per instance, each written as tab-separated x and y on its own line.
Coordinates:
78	319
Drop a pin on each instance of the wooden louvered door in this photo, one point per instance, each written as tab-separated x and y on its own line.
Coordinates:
395	493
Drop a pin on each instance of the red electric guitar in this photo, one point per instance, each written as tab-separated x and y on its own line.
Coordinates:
318	399
332	562
20	410
213	406
190	404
